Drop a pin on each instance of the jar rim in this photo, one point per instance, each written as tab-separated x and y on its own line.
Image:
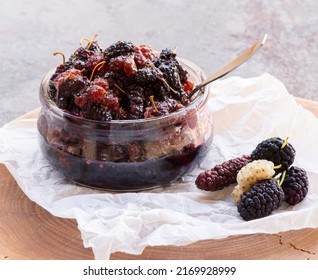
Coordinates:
197	102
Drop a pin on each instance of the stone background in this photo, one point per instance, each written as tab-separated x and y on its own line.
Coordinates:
209	33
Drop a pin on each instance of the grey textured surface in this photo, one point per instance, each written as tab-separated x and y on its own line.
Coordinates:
209	33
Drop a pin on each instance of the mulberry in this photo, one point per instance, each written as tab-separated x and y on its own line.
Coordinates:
171	75
80	59
276	150
135	101
148	75
255	171
66	84
260	200
97	113
162	108
238	191
221	175
295	185
123	63
167	56
121	48
250	174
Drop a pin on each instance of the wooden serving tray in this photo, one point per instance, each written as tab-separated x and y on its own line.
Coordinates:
27	231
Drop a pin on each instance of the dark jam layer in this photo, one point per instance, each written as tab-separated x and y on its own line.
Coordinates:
123	176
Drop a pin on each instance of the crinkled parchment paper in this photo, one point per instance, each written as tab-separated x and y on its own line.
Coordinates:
246	111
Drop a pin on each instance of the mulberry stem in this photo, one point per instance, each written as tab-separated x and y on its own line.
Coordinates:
97	65
173	90
285	143
117	86
277	166
63	56
281	181
153	103
90	42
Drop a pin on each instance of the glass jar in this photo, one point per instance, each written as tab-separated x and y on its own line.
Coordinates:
126	155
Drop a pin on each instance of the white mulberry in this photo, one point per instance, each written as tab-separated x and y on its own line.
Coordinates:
250	174
238	191
254	172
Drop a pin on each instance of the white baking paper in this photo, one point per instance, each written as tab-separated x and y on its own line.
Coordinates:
246	111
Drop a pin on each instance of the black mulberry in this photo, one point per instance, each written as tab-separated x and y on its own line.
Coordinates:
148	75
162	108
273	150
222	175
135	102
168	57
121	48
98	114
79	58
260	200
66	83
295	185
167	54
171	75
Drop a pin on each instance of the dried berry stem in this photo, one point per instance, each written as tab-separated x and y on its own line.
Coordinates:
89	45
85	39
96	66
63	56
90	42
173	90
153	103
117	86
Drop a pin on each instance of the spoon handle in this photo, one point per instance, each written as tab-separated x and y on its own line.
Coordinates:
231	65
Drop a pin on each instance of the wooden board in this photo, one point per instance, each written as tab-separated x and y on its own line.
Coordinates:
27	231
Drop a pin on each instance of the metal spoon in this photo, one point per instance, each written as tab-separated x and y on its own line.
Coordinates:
231	65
